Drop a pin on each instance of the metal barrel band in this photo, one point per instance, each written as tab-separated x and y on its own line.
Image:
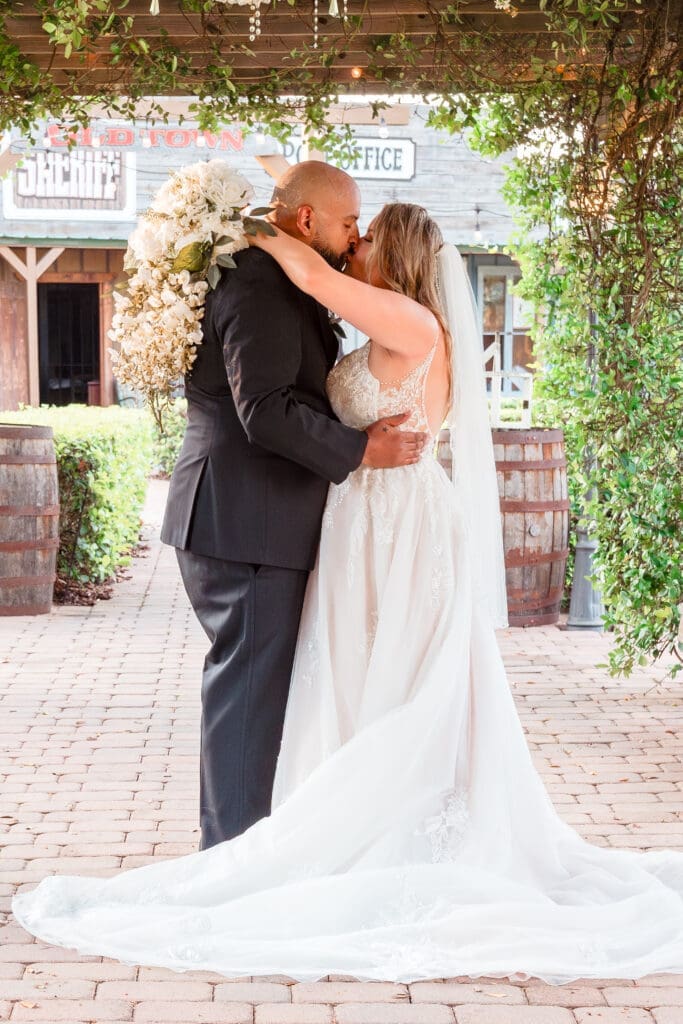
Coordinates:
29	510
514	561
46	544
27	460
520	505
526	465
25	581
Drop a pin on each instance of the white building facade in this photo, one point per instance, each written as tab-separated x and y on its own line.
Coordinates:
67	212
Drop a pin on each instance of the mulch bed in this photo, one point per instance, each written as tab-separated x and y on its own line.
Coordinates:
75	593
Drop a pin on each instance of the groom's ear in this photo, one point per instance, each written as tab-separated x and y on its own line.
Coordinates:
305	218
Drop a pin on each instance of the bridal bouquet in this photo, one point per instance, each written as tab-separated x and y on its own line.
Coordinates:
194	226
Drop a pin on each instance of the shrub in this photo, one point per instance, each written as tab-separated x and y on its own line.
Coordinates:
103	460
167	445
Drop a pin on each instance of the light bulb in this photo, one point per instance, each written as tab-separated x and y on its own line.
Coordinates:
146	142
356	72
47	141
383	130
97	141
201	140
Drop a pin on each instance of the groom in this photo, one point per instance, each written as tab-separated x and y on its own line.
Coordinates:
247	494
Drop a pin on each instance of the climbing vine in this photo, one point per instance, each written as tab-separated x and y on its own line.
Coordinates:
596	184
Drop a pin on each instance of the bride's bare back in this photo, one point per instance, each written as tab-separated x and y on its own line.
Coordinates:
424	382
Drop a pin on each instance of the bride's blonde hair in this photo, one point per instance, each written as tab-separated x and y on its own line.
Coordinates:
404	251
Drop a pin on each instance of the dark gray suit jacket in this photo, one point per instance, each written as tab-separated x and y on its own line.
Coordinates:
262	442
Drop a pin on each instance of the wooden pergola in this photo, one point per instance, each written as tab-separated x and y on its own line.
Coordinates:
359	48
356	53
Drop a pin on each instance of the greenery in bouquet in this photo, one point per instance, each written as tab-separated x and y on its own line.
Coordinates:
194	226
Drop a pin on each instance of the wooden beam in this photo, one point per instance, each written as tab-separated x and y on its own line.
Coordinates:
47	260
31	270
274	164
263	61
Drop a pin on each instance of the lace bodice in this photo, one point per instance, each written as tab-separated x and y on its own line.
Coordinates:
359	398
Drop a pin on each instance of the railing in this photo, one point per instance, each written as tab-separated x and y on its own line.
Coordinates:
507	384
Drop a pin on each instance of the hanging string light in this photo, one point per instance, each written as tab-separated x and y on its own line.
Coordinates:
255	14
254	21
334	9
477	225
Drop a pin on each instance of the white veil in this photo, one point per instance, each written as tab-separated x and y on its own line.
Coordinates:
474	471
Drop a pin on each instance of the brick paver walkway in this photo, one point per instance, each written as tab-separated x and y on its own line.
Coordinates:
100	722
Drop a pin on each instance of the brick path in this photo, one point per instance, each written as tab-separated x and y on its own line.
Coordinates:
100	718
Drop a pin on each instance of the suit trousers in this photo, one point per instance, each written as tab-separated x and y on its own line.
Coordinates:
250	614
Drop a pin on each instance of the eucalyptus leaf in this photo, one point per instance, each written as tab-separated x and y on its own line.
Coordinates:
261	211
226	260
265	228
213	275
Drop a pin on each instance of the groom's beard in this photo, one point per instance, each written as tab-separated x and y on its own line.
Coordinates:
336	262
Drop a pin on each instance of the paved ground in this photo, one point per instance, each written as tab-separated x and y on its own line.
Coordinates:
99	771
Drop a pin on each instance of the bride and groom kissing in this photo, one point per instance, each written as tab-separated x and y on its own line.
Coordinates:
368	802
247	495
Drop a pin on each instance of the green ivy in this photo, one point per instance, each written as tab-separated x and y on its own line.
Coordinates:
167	444
600	242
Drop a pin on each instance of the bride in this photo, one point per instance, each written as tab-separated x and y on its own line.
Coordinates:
411	836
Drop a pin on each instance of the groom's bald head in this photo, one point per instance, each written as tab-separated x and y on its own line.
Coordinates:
320	205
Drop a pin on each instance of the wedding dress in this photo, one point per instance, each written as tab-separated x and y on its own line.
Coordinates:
411	836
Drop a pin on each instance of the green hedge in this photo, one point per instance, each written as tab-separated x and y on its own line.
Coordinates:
104	457
167	445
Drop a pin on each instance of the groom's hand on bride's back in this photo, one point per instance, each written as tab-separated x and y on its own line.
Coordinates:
389	447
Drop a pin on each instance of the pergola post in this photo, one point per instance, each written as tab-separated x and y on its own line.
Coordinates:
31	270
585	604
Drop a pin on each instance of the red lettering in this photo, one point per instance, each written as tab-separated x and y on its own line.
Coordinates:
119	137
177	138
232	139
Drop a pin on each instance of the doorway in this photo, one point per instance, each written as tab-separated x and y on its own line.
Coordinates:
69	341
505	319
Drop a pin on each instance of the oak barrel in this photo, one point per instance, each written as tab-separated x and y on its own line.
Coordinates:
532	486
29	519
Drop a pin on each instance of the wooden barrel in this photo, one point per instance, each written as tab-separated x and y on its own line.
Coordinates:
29	519
532	485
